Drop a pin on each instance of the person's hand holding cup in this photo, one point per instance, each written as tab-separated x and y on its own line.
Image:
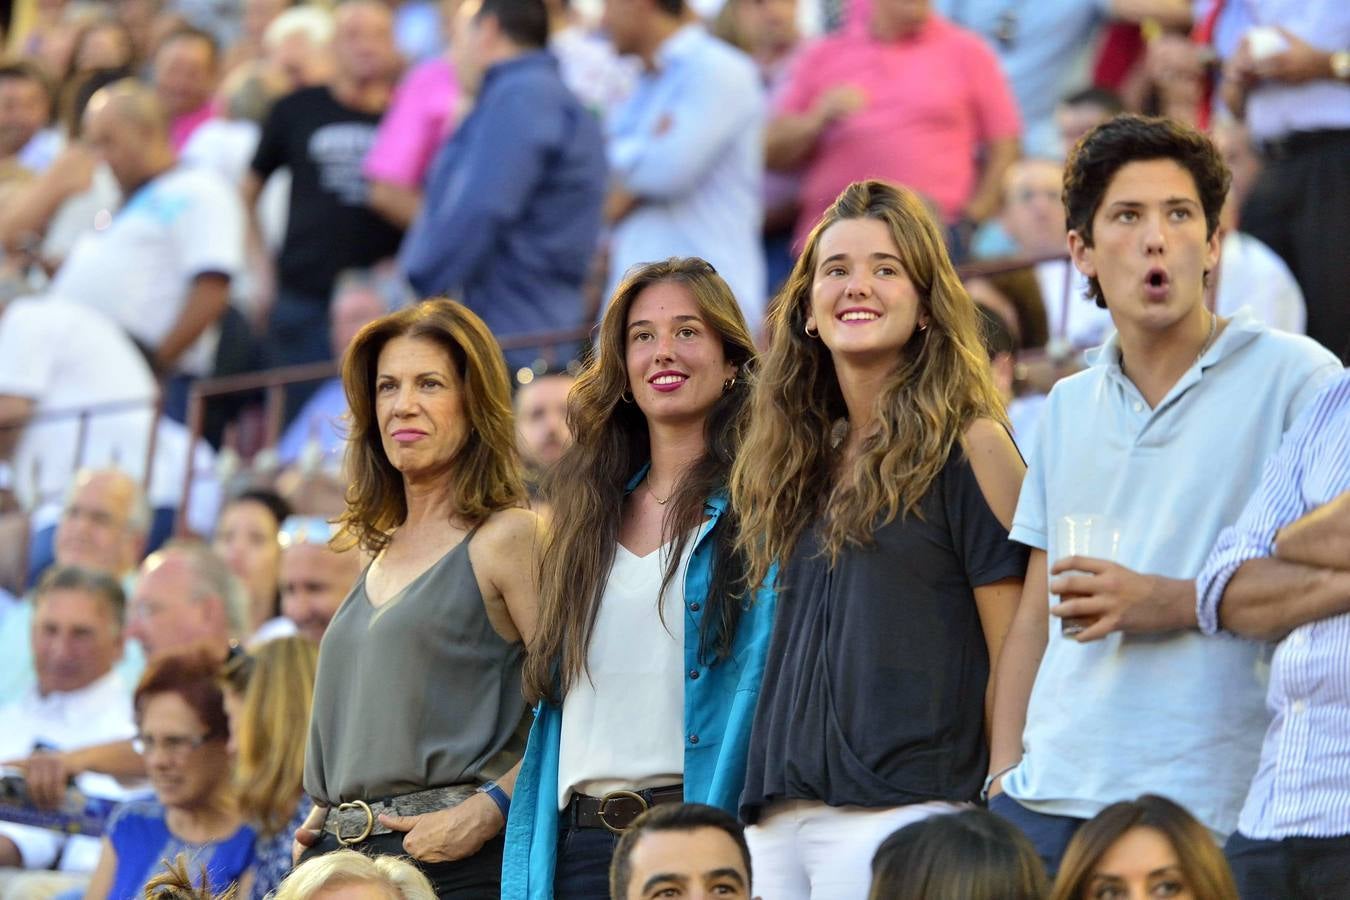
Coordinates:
1085	535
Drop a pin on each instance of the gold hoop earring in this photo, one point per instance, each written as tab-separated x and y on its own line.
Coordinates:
626	396
809	332
728	384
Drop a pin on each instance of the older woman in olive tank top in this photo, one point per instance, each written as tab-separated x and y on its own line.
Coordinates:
419	720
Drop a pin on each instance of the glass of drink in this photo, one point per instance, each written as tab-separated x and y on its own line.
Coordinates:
1085	534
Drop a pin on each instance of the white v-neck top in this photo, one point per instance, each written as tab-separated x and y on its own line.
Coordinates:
623	721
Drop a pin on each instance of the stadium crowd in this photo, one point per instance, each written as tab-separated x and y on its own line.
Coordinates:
795	449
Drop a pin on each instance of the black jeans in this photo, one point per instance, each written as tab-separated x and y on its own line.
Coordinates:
582	871
1291	869
477	878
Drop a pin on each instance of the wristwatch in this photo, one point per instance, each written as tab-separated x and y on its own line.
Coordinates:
1340	65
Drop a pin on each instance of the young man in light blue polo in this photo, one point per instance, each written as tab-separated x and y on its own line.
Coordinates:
1163	437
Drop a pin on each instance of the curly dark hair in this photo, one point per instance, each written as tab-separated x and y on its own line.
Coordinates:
1094	161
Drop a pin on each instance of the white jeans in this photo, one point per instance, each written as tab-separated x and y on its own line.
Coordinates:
805	850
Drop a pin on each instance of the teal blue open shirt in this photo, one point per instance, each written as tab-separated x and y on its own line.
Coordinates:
719	708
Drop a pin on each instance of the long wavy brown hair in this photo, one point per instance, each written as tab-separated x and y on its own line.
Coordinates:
486	471
785	475
610	444
1202	863
275	687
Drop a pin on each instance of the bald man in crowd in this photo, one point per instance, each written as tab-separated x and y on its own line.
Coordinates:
163	266
185	597
102	529
315	578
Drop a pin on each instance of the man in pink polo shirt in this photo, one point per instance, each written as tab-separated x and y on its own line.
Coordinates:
910	98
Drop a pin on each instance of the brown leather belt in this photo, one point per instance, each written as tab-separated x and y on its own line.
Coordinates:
616	810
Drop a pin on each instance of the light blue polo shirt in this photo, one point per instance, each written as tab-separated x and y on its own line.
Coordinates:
1182	714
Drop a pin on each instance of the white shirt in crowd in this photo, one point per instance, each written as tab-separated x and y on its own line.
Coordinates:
66	357
622	723
139	267
96	714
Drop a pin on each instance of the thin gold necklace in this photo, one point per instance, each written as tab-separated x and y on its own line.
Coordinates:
652	492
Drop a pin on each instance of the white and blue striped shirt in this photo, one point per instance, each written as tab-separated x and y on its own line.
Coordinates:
1302	784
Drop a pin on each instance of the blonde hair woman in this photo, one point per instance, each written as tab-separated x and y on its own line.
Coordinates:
878	470
267	695
387	877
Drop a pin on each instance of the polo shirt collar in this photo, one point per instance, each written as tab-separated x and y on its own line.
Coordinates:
1242	329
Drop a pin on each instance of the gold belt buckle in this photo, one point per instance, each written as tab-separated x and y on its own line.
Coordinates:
365	832
628	797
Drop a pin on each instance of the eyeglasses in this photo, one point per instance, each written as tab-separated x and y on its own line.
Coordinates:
176	745
306	530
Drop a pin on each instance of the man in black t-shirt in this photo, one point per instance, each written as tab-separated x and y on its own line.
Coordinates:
322	135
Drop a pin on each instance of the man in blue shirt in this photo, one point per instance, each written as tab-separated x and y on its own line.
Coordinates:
1164	435
513	201
1282	573
687	151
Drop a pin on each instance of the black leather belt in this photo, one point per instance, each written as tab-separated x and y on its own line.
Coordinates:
616	810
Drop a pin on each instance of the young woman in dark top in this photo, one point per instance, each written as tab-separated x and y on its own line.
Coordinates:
878	469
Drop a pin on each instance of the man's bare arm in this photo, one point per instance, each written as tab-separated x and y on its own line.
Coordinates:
14	414
1321	538
1268	598
207	300
396	203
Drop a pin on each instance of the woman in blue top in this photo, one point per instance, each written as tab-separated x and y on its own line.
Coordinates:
649	651
180	715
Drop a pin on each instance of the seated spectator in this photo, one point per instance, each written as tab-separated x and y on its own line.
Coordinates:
102	529
1080	112
163	267
1030	222
182	732
267	698
1150	847
185	596
971	855
78	700
851	111
246	538
541	422
25	114
517	193
64	202
316	437
1013	300
315	578
185	70
326	876
684	850
686	151
185	599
